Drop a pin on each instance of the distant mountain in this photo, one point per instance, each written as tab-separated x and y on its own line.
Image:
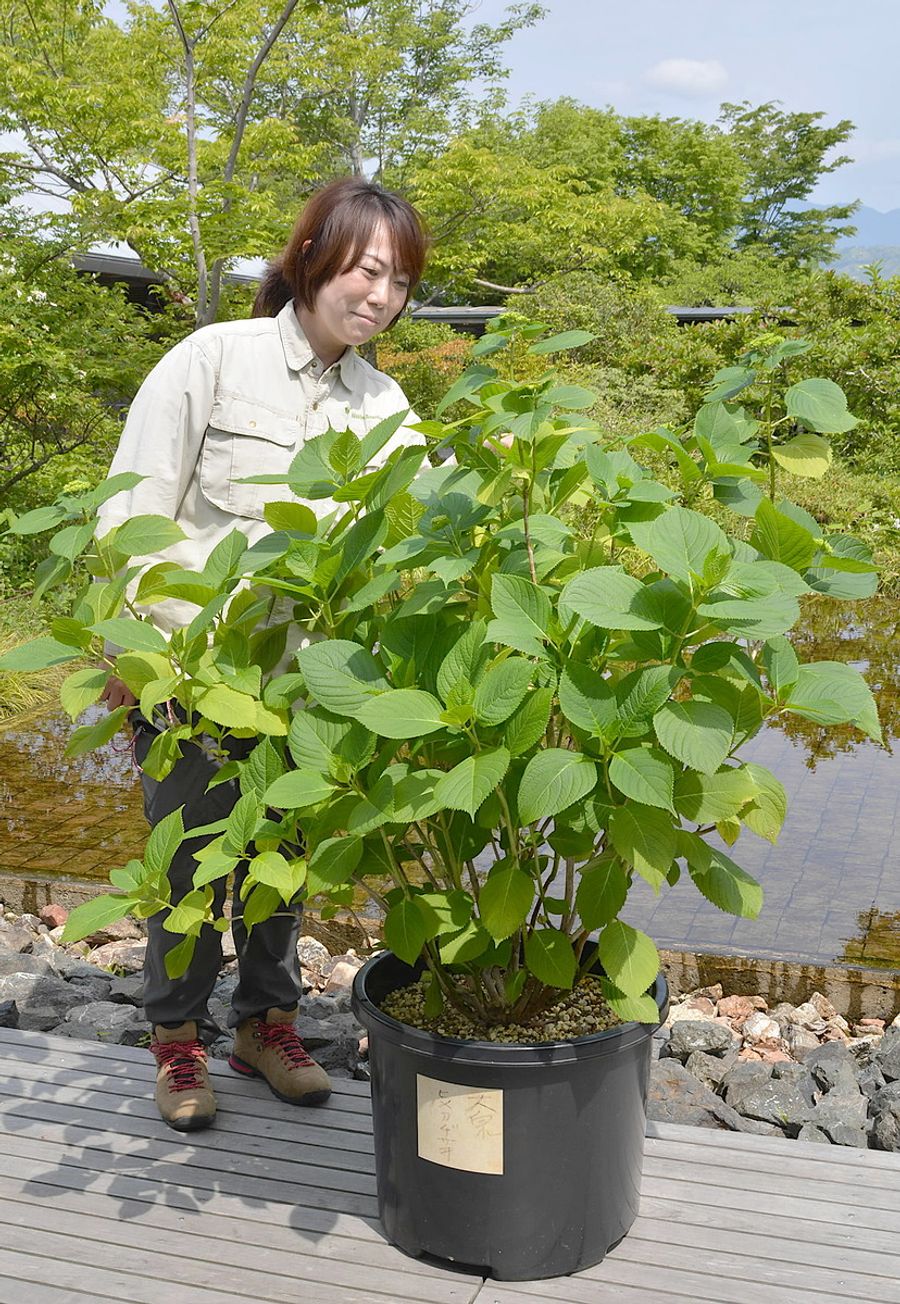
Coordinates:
851	259
873	228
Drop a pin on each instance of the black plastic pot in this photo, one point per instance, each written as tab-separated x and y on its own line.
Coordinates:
517	1162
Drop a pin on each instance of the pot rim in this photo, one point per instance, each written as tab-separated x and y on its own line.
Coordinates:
435	1043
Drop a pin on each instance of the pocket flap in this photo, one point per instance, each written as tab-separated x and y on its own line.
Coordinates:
240	416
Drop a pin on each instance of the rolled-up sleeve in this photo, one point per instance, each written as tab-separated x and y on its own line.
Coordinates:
163	435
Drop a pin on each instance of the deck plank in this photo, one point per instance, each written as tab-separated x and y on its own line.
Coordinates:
95	1192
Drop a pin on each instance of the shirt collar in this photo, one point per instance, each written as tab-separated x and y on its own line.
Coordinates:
299	353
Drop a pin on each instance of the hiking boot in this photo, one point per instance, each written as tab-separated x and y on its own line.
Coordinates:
184	1096
270	1048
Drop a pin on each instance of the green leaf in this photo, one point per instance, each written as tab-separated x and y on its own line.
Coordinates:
164	840
766	813
373	442
401	713
502	690
39	654
601	894
178	959
341	675
81	689
587	700
729	888
293	516
781	538
71	542
806	454
134	635
465	660
640	695
753	617
243	821
698	734
272	869
631	1009
709	798
553	779
90	736
333	863
821	405
644	775
645	838
606	597
227	707
467	385
523	614
559	343
529	723
39	520
830	692
469	784
505	900
629	957
261	904
404	931
145	534
95	914
781	664
298	789
345	455
550	957
679	541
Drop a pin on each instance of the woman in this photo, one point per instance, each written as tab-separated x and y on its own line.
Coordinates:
233	400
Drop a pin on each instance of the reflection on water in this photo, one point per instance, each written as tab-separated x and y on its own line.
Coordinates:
67	822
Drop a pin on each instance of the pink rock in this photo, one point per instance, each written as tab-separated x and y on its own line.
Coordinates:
759	1027
53	916
823	1005
364	1047
871	1024
702	1004
736	1008
713	993
772	1055
120	955
834	1034
341	977
748	1054
758	1002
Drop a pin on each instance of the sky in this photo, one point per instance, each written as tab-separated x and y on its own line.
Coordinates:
682	58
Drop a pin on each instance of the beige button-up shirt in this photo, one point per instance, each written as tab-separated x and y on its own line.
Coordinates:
237	399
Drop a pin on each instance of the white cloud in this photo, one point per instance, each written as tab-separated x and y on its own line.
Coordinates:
690	77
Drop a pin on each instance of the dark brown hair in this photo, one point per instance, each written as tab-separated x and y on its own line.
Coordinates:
338	221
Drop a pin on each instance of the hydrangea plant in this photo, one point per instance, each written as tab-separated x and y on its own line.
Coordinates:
526	679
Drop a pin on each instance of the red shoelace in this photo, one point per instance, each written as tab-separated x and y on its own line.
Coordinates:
182	1059
283	1036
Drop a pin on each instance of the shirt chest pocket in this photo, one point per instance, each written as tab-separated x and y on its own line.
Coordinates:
244	439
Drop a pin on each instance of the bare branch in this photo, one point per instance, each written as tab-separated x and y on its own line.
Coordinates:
507	289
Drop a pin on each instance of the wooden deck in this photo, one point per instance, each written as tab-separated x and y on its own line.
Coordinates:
99	1200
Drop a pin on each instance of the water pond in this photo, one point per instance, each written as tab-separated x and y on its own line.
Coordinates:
832	884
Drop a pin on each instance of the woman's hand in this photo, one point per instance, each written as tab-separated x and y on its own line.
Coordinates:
117	694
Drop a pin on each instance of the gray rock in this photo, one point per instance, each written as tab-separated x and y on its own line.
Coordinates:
799	1042
675	1096
829	1054
226	986
776	1101
689	1035
834	1075
799	1075
312	954
9	1014
43	1000
886	1128
16	939
809	1132
127	955
320	1007
745	1073
843	1116
17	962
67	965
709	1069
885	1096
319	1032
128	990
887	1055
221	1048
91	989
871	1080
103	1021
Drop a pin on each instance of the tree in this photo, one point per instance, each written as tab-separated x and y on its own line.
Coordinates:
193	131
784	155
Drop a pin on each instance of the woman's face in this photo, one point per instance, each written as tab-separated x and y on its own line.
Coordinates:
362	301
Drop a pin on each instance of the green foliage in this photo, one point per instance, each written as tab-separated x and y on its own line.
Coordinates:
528	692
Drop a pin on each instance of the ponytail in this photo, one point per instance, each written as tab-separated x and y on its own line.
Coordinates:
273	293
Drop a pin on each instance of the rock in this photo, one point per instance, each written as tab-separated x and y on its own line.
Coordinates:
833	1074
73	966
342	974
320	1007
311	952
886	1127
737	1008
229	947
809	1132
702	1005
806	1015
887	1056
799	1076
19	962
333	1043
128	990
712	993
675	1096
362	1073
742	1073
871	1080
30	921
828	1056
708	1069
335	935
895	1022
16	940
681	1013
799	1041
103	1021
43	1000
689	1035
759	1027
777	1101
886	1095
9	1014
823	1005
91	988
53	916
120	930
363	1047
125	955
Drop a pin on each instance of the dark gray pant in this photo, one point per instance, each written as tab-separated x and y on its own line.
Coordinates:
268	968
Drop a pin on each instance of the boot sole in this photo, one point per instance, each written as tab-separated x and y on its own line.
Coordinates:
248	1071
190	1124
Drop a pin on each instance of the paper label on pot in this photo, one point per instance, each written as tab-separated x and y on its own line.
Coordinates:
460	1126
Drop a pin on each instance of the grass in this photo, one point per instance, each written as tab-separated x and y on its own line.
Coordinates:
21	694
